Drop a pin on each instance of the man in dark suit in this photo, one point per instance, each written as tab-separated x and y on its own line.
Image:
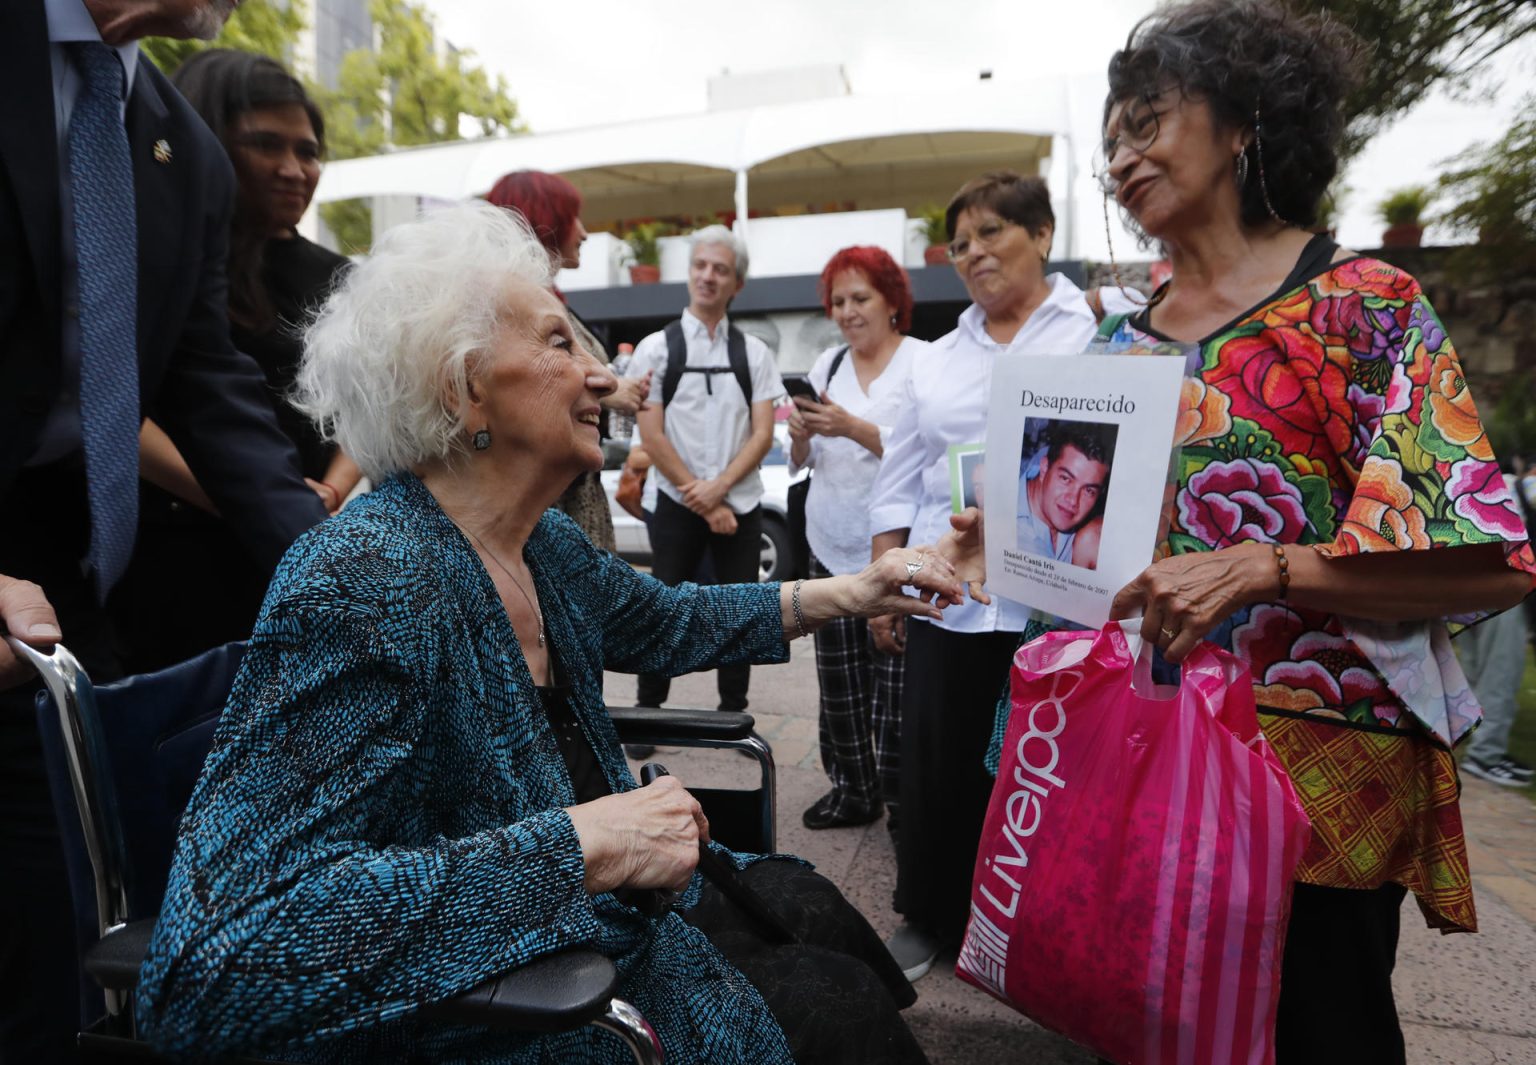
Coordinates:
115	202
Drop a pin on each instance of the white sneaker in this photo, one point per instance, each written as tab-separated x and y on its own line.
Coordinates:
914	950
1500	773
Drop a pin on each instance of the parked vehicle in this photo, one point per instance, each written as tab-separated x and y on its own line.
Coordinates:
634	543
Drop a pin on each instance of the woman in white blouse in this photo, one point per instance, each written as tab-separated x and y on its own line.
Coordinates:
1000	227
860	387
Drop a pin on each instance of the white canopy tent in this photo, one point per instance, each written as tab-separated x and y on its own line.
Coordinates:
907	151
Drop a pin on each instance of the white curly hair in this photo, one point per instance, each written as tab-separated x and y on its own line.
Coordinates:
402	331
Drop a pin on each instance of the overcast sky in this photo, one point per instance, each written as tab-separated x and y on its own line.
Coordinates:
573	63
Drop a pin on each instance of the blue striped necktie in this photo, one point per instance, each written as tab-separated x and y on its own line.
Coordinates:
106	243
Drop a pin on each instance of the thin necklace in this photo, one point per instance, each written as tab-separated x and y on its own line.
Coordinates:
515	582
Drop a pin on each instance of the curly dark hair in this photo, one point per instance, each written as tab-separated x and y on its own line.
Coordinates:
1243	57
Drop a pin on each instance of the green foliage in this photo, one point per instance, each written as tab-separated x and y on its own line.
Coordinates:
642	241
269	27
1404	207
407	94
1417	44
933	225
351	223
403	95
1511	424
1493	191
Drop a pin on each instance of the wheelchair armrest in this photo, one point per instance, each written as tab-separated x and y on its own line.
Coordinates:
549	994
644	724
114	960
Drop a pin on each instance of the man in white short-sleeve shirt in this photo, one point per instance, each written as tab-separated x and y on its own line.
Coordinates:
708	425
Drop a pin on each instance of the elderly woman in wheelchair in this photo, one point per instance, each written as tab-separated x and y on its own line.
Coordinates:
415	785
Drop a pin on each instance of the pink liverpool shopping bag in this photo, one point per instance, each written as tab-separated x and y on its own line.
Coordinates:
1134	876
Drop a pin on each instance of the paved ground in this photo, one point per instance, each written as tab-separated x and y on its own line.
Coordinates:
1466	1000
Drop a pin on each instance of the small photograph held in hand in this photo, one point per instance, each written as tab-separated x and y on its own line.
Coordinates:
1064	469
967	468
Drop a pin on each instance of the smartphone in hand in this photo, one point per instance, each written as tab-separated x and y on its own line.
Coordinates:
798	384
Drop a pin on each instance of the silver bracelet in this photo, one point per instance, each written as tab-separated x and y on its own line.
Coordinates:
794	601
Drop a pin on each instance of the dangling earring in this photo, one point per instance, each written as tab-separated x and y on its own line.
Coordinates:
1242	169
481	439
1258	151
1109	242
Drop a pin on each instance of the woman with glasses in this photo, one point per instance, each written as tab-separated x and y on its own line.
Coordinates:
1337	499
1000	227
190	587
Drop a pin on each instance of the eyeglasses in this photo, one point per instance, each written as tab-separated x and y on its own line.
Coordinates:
272	145
1139	127
985	236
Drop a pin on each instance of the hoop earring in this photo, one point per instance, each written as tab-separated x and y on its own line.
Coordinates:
1242	169
1258	151
481	440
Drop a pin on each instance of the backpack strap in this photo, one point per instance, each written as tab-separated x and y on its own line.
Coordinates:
677	362
736	351
677	358
837	360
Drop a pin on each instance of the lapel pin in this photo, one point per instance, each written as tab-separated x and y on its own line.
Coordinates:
162	151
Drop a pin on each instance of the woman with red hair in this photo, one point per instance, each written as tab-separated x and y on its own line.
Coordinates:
842	437
552	207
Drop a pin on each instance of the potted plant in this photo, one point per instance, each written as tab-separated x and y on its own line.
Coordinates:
1402	211
937	252
643	247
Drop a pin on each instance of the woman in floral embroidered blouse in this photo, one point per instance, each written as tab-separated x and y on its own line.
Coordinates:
1328	413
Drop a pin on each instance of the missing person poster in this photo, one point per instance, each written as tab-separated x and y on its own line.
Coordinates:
1076	465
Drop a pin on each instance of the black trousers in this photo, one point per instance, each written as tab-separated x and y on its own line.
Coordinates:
836	993
1336	1004
42	539
949	693
190	586
679	540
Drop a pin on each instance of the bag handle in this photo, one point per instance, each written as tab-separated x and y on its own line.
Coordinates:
1140	650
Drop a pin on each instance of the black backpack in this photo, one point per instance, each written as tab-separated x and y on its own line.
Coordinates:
677	359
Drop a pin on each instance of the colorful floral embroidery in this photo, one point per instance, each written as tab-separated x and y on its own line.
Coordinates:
1204	413
1230	503
1309	670
1335	415
1347	425
1383	515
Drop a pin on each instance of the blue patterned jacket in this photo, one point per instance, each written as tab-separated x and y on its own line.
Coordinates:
379	823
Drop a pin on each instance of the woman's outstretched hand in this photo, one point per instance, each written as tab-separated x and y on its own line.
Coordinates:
964	547
876	591
645	838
